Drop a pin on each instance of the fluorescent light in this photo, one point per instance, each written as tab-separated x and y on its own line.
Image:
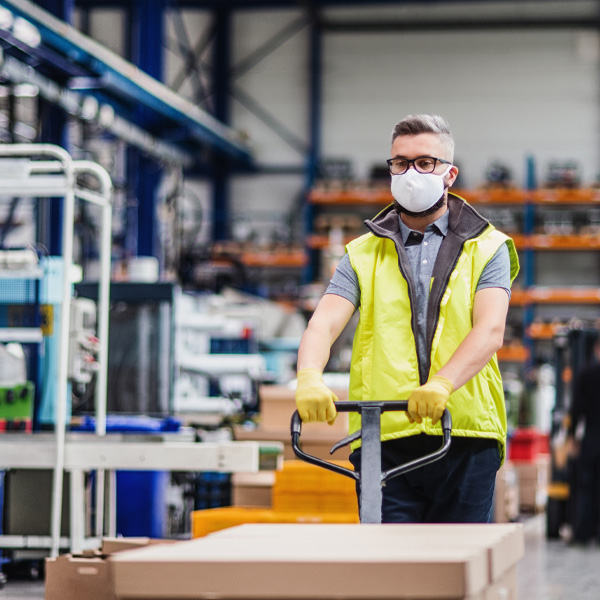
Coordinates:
26	32
26	90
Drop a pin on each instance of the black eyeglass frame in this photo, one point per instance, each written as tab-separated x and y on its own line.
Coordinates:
410	161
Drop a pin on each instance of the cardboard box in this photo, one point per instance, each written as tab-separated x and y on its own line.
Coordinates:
504	544
325	561
278	403
533	482
535	471
85	577
111	545
252	489
533	498
506	494
88	576
316	439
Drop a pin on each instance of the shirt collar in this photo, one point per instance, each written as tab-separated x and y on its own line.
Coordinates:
440	225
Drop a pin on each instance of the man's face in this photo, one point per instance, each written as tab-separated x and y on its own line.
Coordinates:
424	144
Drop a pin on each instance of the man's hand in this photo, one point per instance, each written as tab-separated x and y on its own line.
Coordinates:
430	400
314	399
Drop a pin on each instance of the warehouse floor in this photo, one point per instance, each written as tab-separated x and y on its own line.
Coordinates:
548	571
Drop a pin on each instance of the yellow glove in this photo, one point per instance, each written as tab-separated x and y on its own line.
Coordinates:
430	400
314	399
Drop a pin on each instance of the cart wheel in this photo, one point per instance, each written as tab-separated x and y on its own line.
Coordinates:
556	512
2	581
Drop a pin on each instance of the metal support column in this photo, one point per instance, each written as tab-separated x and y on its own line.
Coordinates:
146	47
529	257
53	130
314	154
222	109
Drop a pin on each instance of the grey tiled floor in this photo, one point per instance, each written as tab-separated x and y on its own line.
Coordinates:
550	570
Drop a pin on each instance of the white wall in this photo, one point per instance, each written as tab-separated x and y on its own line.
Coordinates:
505	95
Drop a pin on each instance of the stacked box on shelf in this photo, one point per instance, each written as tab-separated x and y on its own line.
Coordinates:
533	476
528	451
252	489
506	494
277	405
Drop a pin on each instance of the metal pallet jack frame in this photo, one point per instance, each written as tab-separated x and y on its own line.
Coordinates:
371	478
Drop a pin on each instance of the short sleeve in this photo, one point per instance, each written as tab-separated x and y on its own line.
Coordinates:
344	282
497	272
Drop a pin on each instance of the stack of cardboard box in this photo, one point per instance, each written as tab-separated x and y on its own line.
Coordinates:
506	494
533	476
302	562
277	405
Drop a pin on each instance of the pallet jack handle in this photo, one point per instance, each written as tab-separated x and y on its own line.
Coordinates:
371	478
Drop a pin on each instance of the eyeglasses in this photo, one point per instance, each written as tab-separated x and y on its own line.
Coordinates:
422	164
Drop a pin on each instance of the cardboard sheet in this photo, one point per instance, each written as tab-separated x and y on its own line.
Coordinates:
323	561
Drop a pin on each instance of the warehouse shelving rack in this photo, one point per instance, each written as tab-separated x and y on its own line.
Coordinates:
48	171
527	242
44	171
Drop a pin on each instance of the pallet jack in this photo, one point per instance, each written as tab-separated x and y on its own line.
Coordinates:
371	478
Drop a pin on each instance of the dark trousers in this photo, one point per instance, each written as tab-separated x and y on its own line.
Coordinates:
587	493
458	488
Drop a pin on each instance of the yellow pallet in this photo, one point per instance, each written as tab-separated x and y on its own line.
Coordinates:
297	475
214	519
315	502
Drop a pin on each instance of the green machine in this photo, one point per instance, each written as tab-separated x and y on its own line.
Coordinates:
16	403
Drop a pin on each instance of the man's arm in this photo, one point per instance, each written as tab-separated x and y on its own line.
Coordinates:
490	307
474	352
329	319
314	400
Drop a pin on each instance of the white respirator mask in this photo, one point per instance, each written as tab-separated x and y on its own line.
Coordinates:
416	192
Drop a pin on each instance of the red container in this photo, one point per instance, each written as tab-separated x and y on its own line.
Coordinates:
527	443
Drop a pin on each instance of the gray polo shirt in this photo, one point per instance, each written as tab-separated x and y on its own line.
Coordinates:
422	250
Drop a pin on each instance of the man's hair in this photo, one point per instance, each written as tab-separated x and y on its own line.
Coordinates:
416	124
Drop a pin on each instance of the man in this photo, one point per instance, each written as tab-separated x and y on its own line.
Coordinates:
585	409
432	283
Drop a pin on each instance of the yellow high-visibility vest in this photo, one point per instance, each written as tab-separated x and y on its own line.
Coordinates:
385	364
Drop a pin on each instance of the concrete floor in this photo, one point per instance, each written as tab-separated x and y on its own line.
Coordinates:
550	570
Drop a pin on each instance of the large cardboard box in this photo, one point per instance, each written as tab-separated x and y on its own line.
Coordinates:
305	562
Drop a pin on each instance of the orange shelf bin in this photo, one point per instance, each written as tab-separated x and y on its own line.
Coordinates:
567	196
543	331
376	196
284	259
513	353
564	295
555	296
494	196
564	242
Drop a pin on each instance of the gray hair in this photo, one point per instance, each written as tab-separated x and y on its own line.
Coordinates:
416	124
